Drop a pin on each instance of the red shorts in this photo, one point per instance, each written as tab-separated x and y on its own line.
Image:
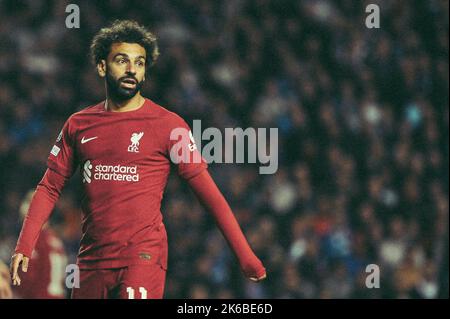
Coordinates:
132	282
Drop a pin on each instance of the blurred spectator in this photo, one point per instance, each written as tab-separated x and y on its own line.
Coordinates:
5	282
45	278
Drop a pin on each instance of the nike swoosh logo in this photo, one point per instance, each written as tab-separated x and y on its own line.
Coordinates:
85	140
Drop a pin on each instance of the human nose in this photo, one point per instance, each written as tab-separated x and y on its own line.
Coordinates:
131	68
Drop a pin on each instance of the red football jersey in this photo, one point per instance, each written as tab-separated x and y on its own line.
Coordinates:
124	160
45	278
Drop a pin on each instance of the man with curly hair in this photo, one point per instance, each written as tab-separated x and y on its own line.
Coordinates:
123	147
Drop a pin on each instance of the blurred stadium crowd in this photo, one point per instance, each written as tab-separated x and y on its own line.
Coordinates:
363	120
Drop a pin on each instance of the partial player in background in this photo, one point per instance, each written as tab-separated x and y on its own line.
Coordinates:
5	282
44	276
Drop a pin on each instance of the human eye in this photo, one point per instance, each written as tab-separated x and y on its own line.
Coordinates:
121	60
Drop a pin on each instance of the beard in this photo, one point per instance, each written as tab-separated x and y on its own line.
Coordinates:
119	93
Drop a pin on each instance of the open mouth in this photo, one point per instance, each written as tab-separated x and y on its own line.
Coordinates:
129	83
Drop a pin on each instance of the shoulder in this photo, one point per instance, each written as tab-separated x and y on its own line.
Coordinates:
165	123
168	118
91	109
75	119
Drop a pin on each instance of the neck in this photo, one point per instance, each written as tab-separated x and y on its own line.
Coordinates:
124	106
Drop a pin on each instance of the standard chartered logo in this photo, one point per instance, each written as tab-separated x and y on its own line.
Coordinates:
120	173
87	167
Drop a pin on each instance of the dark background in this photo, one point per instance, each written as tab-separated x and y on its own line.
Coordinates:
363	148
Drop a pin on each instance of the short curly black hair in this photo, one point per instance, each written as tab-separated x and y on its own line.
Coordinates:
124	31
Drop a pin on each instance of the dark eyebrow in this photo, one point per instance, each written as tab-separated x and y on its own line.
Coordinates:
120	53
126	55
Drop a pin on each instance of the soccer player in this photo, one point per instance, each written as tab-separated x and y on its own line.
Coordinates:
123	148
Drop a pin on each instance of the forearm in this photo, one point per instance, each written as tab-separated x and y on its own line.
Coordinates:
210	196
43	201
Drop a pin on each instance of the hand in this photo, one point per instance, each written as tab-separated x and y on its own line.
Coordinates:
16	260
254	270
5	286
258	279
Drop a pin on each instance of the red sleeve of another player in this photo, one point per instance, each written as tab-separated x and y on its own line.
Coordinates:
182	149
62	154
211	197
44	199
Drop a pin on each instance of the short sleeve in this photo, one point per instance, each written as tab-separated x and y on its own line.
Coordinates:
182	149
62	155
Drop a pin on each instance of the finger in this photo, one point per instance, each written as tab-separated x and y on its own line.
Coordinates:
25	264
14	267
16	281
257	279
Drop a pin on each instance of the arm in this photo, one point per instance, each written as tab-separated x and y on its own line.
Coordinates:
179	141
211	197
44	199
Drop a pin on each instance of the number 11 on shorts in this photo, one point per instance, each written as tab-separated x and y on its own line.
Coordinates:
142	291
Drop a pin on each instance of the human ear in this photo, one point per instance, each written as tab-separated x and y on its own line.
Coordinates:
101	68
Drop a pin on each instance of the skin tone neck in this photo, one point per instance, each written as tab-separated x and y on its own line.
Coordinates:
124	106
